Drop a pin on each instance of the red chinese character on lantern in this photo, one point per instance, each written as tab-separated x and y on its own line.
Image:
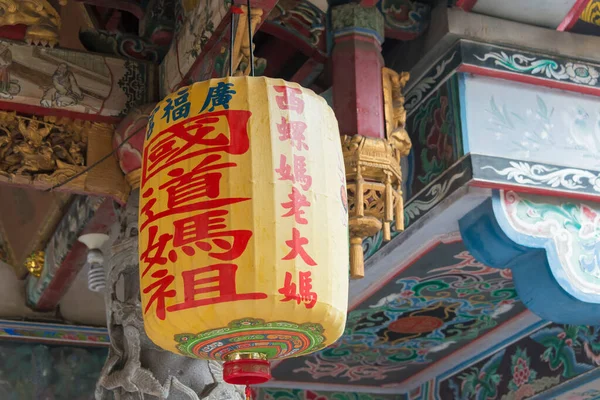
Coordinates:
297	201
296	245
211	285
153	254
208	229
294	132
160	291
299	173
289	98
284	170
197	136
304	292
191	191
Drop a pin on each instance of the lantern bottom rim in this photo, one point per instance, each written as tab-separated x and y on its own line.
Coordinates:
246	370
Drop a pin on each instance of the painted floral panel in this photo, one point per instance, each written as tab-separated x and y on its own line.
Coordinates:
443	301
571	228
550	356
436	135
298	394
527	122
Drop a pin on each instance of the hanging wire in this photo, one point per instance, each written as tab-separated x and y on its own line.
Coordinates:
250	39
77	175
232	31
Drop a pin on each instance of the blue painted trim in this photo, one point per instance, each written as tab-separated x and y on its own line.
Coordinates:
24	324
53	333
462	94
568	386
486	238
545	244
410	175
455	105
329	31
356	30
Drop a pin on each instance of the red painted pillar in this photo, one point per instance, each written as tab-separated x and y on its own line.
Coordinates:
357	64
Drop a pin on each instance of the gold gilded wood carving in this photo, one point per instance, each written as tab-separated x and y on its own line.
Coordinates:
40	149
35	263
42	20
374	175
44	152
591	14
395	113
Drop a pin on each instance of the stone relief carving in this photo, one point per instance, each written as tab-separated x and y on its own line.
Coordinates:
136	368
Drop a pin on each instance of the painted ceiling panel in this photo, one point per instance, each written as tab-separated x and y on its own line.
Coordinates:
546	13
35	213
588	391
440	303
531	368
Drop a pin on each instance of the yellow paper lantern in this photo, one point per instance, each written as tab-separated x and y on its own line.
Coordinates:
243	224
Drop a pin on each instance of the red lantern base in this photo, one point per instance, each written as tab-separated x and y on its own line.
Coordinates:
246	369
246	372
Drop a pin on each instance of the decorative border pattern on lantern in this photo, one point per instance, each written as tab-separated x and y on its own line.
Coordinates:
275	339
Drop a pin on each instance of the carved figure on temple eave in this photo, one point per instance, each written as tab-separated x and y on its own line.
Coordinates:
39	149
42	20
65	90
8	87
33	160
33	132
396	113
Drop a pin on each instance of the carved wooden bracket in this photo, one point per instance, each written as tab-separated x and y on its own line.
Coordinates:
374	176
41	153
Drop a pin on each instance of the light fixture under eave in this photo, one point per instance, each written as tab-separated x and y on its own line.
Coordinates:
95	260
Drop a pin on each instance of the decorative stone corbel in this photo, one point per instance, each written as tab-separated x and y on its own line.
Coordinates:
374	175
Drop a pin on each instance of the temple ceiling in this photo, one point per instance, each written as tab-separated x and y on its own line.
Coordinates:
435	313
